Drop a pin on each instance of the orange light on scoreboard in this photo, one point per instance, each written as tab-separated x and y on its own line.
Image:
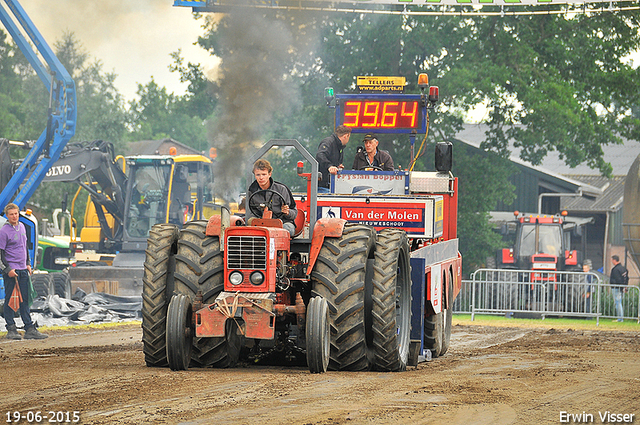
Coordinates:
382	114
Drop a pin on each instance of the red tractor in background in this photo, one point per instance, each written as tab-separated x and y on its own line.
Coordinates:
543	243
535	272
368	281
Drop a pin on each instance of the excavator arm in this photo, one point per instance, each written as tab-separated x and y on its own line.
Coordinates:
93	167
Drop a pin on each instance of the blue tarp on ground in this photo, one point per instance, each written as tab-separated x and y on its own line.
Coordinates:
82	309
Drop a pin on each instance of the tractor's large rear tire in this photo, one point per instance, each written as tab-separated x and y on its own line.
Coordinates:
62	284
156	291
318	335
339	277
391	295
179	332
42	283
199	267
437	327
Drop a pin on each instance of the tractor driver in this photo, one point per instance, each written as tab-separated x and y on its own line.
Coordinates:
264	191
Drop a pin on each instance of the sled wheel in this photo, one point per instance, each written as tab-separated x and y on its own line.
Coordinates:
179	332
447	316
437	327
317	333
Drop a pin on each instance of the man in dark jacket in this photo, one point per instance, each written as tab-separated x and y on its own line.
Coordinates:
330	155
280	203
371	156
619	278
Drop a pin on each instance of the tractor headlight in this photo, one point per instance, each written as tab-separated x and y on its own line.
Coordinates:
256	278
236	278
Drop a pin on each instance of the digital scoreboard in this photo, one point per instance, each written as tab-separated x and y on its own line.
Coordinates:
381	113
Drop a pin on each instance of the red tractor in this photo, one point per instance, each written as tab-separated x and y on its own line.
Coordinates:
367	283
346	295
543	244
542	254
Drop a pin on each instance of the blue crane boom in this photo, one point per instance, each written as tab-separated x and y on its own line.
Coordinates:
61	125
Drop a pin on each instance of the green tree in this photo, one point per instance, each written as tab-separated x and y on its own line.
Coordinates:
101	112
476	197
101	115
158	114
552	83
558	84
12	113
201	96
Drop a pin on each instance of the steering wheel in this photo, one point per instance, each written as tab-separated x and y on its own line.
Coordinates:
257	208
374	167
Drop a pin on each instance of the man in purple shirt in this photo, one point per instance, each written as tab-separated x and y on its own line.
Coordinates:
14	262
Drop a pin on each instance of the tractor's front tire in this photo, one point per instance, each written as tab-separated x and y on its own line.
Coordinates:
199	268
339	277
317	335
158	274
391	296
179	332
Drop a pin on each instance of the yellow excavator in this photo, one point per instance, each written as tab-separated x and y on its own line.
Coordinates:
127	197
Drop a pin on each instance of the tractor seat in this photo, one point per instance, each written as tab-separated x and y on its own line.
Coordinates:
299	222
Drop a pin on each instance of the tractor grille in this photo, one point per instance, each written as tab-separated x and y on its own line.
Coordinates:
247	252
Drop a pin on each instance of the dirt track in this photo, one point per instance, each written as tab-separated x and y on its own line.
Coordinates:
490	376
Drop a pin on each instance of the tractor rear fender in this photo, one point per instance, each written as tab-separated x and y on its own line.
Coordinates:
324	227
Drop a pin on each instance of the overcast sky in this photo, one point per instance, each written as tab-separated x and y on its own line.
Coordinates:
132	38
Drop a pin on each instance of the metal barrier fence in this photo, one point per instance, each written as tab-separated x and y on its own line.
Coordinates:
536	294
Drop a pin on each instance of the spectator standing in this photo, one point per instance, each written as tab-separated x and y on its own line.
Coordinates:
586	268
619	278
14	262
